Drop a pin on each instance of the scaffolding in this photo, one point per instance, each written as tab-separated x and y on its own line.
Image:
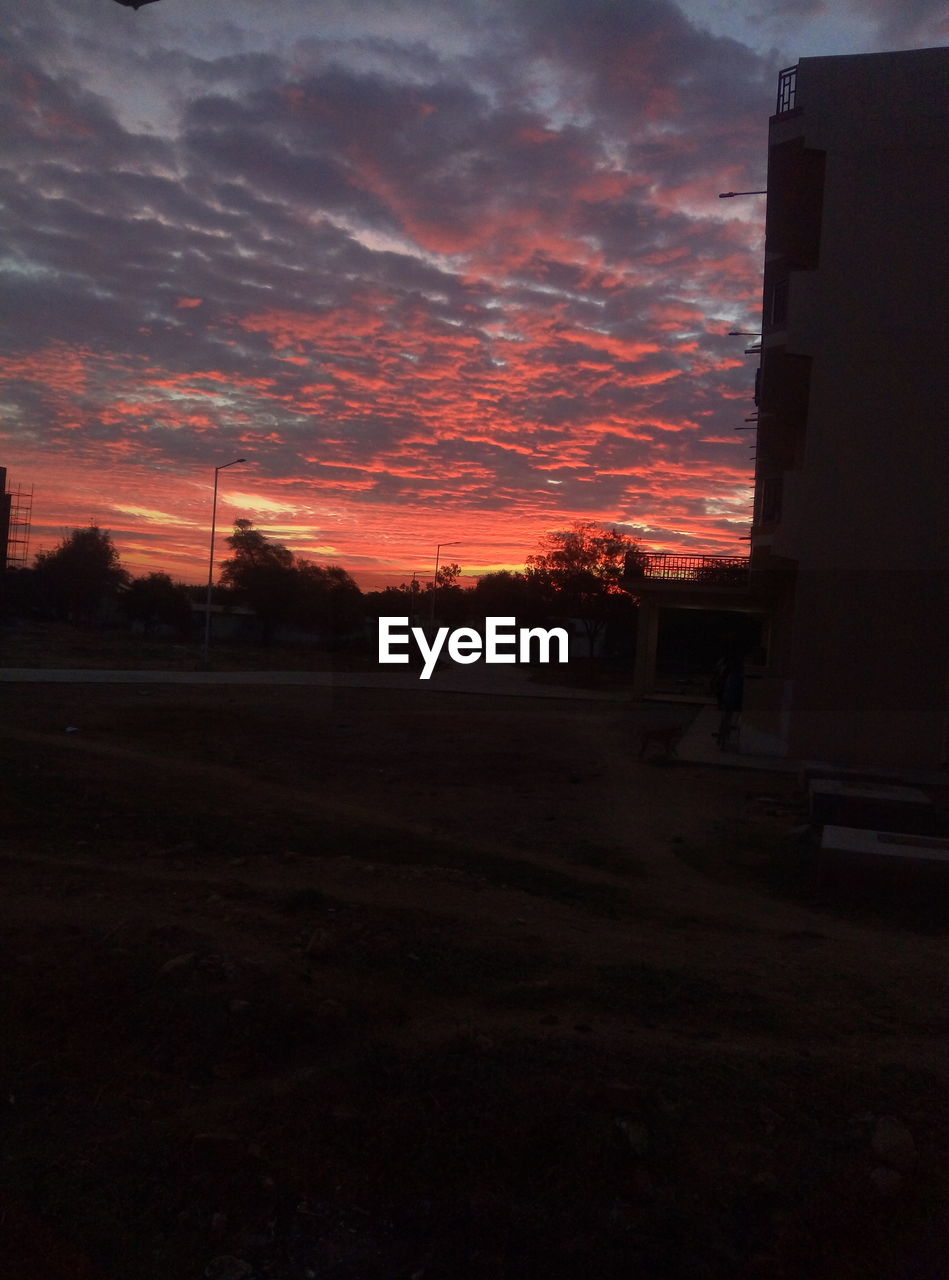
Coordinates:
16	511
18	538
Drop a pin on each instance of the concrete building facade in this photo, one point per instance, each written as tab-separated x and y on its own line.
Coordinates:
850	535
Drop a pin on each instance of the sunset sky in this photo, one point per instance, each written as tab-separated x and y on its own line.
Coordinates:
452	270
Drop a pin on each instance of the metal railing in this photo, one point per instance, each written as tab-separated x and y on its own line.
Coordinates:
670	566
787	90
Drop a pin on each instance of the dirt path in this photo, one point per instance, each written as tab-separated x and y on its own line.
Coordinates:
483	991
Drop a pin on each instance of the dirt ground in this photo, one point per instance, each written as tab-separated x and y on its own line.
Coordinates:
391	985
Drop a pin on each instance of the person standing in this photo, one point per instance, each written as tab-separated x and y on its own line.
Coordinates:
730	688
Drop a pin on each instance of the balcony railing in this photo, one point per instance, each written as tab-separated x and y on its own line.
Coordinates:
787	91
709	571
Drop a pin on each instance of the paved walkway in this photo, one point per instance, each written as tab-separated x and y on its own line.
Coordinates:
699	745
506	681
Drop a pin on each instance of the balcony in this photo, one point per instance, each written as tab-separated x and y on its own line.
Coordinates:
671	567
795	204
787	91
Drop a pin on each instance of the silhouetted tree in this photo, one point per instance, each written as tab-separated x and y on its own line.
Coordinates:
261	574
448	575
75	579
282	589
155	601
405	600
581	570
509	594
451	598
328	600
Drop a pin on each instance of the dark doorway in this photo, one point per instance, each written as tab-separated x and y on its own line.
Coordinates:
691	641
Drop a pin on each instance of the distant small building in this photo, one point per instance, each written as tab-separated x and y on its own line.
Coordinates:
228	621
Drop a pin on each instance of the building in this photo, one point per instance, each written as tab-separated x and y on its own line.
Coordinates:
850	536
848	574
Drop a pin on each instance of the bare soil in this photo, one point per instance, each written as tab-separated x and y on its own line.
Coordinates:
376	985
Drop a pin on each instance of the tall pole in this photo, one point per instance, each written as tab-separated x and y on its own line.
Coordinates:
438	550
207	607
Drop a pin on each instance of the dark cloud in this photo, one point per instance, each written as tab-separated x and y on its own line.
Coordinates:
909	24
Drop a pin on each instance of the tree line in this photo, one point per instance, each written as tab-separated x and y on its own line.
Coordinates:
580	573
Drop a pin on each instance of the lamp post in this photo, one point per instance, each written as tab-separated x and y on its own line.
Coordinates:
438	551
207	610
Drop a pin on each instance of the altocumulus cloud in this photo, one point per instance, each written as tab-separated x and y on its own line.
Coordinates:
449	270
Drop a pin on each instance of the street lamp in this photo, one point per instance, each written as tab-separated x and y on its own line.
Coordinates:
438	551
207	610
727	195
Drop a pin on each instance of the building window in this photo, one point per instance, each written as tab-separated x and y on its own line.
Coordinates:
778	304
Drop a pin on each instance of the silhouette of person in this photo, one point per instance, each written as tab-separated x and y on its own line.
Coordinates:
729	688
